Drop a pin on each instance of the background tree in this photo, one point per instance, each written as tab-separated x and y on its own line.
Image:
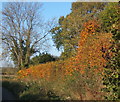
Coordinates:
23	31
66	35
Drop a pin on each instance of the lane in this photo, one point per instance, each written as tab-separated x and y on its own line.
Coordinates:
7	95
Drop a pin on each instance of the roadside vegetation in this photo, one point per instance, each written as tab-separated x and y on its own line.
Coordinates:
88	68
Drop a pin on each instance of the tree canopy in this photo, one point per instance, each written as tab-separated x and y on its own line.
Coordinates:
24	32
66	35
42	58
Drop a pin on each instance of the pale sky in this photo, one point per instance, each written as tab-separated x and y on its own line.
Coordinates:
50	10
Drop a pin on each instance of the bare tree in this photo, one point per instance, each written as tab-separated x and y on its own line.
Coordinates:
23	31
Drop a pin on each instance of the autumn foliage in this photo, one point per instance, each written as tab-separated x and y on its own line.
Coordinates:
93	50
93	53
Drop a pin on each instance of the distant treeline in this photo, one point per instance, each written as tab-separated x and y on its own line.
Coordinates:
43	58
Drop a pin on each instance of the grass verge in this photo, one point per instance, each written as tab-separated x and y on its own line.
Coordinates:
31	91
